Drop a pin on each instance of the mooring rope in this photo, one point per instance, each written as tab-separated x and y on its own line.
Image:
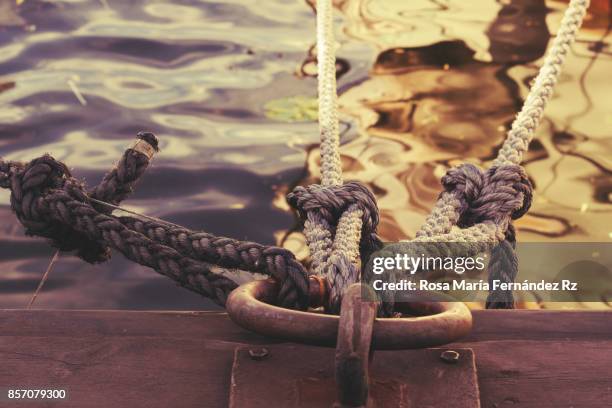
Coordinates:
445	213
50	203
331	166
334	246
482	203
340	219
528	119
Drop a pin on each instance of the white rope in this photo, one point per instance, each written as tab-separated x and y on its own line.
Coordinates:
331	166
326	245
444	215
526	122
318	232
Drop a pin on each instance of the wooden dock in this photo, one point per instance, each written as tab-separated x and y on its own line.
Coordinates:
184	359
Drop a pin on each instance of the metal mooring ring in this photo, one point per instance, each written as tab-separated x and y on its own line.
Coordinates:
250	306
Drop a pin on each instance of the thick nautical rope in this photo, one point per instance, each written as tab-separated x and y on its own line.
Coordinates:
335	242
446	211
340	219
473	197
482	203
50	203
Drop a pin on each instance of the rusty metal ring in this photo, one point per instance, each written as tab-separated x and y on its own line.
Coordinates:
250	306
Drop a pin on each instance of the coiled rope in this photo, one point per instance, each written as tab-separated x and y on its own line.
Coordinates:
340	219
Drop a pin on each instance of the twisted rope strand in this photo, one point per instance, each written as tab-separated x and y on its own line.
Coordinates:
50	203
331	245
331	166
528	119
446	212
118	183
230	254
451	207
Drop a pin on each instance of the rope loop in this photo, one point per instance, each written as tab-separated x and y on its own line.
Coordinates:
489	195
50	203
330	202
38	175
340	272
31	186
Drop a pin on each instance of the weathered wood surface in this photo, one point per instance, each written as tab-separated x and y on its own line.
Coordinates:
166	359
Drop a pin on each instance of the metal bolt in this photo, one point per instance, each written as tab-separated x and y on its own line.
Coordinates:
450	356
259	354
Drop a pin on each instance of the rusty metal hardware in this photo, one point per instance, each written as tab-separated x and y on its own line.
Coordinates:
450	356
298	376
259	353
317	291
356	333
251	306
353	348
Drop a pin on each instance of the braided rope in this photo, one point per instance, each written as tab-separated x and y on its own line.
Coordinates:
340	219
50	203
445	212
332	247
528	119
482	203
331	166
449	210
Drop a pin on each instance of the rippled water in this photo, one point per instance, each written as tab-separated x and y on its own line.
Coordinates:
229	89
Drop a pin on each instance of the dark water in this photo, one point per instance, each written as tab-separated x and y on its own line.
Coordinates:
228	87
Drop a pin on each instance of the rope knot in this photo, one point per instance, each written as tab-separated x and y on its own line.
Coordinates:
490	195
330	202
40	174
37	188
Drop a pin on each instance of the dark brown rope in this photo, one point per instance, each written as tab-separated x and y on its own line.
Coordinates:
50	203
118	183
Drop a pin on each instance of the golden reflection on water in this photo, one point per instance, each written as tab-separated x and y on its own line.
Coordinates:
424	85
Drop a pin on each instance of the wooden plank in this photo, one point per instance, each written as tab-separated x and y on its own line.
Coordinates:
541	325
121	359
161	359
175	325
544	374
118	371
488	324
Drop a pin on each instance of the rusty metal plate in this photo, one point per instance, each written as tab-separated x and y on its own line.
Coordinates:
303	376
